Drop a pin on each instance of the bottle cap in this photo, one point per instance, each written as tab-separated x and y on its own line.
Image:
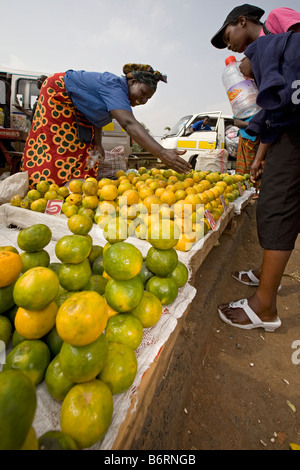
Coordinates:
230	59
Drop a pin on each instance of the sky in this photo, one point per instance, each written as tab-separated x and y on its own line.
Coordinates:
173	36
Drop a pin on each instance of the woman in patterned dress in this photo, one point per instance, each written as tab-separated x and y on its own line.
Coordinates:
72	109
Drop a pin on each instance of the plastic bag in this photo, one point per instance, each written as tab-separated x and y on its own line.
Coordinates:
114	161
12	185
92	158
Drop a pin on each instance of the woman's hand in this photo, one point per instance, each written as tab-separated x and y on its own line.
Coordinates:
246	68
100	149
172	160
139	134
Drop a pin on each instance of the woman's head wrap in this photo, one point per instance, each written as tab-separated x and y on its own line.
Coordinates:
144	74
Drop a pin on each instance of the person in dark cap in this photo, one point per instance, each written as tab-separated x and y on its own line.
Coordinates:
274	59
73	107
242	26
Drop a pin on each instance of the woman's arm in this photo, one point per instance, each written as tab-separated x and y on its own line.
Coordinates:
138	133
258	164
98	141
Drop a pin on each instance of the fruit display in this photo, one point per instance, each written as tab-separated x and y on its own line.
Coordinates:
135	201
76	324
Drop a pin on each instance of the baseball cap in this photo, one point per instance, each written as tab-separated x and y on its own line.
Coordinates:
242	10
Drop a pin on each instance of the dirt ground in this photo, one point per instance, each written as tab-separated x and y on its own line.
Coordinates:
238	390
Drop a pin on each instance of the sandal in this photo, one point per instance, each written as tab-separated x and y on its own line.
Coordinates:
255	320
254	281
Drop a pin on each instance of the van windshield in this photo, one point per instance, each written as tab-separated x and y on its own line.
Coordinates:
178	126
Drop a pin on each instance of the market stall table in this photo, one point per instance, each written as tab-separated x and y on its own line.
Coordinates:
12	157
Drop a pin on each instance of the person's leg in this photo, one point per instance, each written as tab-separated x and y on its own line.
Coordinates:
263	302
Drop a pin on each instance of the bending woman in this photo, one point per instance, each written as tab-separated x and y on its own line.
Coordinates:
72	109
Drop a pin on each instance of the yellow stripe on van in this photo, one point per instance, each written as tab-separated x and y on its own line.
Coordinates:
222	145
187	144
109	127
206	145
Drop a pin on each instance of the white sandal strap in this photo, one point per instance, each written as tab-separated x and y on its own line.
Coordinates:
252	277
249	312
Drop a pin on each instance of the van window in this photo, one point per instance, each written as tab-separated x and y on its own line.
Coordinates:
178	126
27	92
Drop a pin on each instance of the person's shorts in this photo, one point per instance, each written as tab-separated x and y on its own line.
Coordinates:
278	207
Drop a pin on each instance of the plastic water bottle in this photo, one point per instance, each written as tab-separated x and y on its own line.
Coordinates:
242	92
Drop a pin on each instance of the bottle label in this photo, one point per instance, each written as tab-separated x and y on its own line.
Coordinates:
241	91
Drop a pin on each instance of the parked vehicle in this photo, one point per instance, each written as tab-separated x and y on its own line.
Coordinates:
198	143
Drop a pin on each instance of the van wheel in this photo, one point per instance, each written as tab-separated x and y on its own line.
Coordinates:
193	161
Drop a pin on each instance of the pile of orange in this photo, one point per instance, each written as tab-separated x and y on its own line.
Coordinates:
139	197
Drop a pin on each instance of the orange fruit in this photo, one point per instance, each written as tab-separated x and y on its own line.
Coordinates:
161	262
32	260
149	310
5	329
184	243
168	197
116	230
80	224
183	209
36	288
56	382
123	187
120	368
83	363
31	442
50	195
124	328
152	204
86	412
56	440
34	238
163	234
180	274
123	296
96	283
194	200
107	207
73	248
53	341
164	288
34	324
74	199
109	192
122	261
131	196
6	297
10	267
90	202
145	191
90	187
184	225
69	209
32	357
43	187
82	318
17	408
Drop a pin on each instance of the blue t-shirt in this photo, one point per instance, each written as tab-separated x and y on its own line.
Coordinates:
96	94
244	134
198	126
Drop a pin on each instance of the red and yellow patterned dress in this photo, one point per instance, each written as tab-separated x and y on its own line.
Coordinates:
53	151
